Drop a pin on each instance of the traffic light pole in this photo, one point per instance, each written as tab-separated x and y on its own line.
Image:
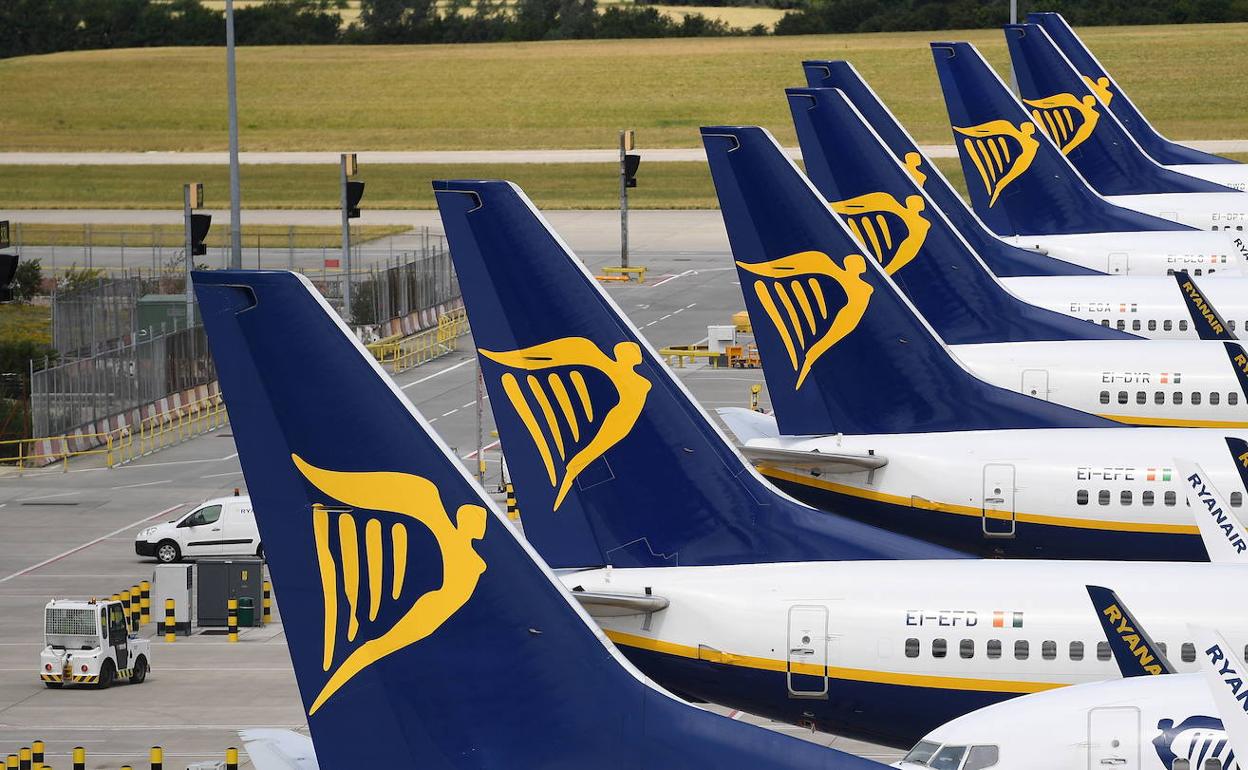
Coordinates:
346	240
236	219
623	199
190	258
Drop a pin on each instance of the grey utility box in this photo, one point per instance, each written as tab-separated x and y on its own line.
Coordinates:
177	582
223	579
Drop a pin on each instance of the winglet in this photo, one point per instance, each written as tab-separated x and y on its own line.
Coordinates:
1221	531
1208	322
1134	651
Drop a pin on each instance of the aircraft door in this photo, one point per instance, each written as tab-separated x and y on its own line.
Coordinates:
1118	263
808	651
1036	383
998	508
1114	738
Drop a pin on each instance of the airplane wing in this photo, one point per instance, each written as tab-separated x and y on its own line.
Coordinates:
1134	651
279	749
613	605
1224	536
1225	674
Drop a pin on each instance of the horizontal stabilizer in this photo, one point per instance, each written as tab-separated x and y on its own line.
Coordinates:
814	460
747	424
614	605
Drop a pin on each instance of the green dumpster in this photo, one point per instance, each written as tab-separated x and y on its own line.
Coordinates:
246	612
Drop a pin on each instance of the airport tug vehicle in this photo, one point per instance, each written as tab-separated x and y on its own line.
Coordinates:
89	643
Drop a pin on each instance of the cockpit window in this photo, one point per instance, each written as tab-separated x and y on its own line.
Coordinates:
922	751
948	758
981	757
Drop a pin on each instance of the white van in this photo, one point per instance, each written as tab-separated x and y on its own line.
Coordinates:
225	526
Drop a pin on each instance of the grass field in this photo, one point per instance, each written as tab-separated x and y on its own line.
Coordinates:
553	186
20	322
1188	79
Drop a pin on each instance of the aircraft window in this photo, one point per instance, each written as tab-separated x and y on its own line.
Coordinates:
1168	324
1195	397
1141	397
1102	651
1076	650
1021	649
1177	397
966	648
947	758
1146	498
1125	497
1232	398
1104	322
1135	325
1212	763
1162	646
1170	498
1214	398
1231	323
982	757
1246	653
912	648
1102	497
1188	652
1180	763
1199	271
939	648
1183	321
1122	396
922	751
993	649
1048	650
1081	497
1122	325
1104	396
1170	271
1237	499
1152	324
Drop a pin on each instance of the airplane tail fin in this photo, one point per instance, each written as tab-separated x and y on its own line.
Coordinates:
1221	531
893	218
1019	182
843	351
614	462
1224	674
1002	258
1157	146
1134	650
407	598
1064	107
1206	320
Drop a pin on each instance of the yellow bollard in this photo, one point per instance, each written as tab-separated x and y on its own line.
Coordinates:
231	758
10	763
23	758
513	510
267	603
36	755
158	758
171	623
145	602
80	758
232	619
124	596
134	607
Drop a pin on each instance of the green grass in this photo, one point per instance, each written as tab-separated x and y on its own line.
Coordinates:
1188	79
551	186
26	322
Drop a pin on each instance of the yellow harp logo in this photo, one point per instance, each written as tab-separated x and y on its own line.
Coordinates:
579	430
912	162
1067	120
802	317
356	550
893	231
1100	87
1000	151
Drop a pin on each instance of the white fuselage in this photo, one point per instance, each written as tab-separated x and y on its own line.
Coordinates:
1187	383
1145	253
1233	175
980	490
1142	723
883	648
1202	210
1152	307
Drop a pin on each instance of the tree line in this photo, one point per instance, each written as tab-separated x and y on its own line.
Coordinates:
45	26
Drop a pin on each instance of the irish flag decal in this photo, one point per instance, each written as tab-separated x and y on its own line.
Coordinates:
1007	620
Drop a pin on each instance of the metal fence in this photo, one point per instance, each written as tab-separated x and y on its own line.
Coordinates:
408	284
67	396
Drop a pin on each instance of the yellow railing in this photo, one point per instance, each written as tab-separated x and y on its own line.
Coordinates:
401	354
677	355
120	446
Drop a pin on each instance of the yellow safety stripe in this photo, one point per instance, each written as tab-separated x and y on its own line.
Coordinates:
50	677
966	510
834	672
1172	422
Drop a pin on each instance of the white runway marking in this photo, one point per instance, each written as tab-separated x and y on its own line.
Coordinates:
671	278
143	484
100	539
48	497
438	373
